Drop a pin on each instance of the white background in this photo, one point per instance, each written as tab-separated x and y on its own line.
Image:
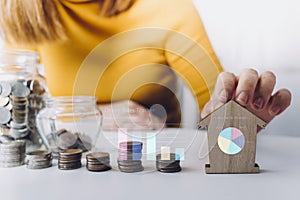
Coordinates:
261	34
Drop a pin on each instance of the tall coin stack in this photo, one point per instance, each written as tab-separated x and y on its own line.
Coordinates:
12	154
38	159
98	162
20	101
168	165
70	159
130	155
35	104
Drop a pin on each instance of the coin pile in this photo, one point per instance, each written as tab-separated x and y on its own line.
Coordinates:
20	101
98	162
38	159
130	155
6	138
168	166
67	140
70	159
12	154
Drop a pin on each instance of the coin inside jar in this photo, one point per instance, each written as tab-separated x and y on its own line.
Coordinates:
66	140
5	89
5	115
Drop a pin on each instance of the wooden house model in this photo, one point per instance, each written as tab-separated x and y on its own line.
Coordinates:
232	131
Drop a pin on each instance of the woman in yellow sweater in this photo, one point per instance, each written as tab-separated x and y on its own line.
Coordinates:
127	53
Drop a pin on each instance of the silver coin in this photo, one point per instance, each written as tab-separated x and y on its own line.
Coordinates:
12	144
129	163
9	106
99	168
5	89
61	131
39	154
71	152
9	165
69	166
18	133
131	170
20	90
66	140
5	138
4	101
39	166
5	116
98	157
16	125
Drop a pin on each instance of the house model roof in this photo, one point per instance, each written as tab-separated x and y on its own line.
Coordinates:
230	111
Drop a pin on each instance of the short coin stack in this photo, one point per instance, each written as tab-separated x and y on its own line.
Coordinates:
70	159
98	162
168	165
38	159
12	154
130	155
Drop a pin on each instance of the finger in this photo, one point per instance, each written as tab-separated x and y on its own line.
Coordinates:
279	102
210	107
246	86
264	89
224	88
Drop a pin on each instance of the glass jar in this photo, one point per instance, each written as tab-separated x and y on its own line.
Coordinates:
22	90
72	122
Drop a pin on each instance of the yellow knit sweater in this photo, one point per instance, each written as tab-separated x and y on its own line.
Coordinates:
135	55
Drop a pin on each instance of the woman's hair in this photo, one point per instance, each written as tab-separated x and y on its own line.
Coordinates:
37	21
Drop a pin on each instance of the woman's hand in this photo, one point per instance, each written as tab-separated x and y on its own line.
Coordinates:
251	90
130	115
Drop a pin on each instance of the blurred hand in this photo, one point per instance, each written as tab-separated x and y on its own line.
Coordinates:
130	115
251	90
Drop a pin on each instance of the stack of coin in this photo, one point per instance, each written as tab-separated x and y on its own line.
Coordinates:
70	159
98	162
20	101
168	165
5	105
12	154
130	155
6	138
38	159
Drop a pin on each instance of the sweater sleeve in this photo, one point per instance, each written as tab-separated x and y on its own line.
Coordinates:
190	54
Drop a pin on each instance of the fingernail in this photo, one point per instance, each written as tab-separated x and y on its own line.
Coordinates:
223	96
259	102
275	110
243	98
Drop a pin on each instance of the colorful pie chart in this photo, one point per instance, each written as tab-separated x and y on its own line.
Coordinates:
231	141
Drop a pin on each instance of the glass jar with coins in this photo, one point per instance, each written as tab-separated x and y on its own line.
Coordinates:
70	122
22	90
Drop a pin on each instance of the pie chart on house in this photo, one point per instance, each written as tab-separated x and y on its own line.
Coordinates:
231	141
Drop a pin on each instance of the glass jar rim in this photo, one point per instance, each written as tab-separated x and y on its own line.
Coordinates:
13	51
18	57
70	100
